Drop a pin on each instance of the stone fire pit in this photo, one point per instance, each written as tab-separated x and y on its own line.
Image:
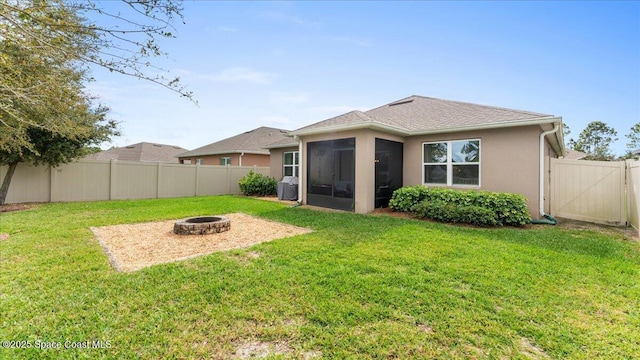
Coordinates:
202	225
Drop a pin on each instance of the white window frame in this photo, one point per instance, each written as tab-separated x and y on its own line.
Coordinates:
199	161
450	164
296	163
225	161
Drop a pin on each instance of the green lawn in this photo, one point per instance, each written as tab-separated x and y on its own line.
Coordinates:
358	286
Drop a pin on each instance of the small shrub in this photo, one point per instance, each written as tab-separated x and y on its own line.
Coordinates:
258	185
475	207
453	213
404	198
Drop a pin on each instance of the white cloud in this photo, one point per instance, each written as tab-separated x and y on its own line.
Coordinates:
112	91
277	16
242	74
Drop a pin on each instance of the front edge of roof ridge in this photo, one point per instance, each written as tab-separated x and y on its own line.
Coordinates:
412	97
393	102
266	127
501	108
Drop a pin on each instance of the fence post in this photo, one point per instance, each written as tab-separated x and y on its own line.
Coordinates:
51	182
624	182
54	181
228	179
158	192
630	191
195	192
112	177
634	195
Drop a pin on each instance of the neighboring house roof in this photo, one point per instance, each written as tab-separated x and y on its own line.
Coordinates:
251	142
574	155
144	151
283	143
417	115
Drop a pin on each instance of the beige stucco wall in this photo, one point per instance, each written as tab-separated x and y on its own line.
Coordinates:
277	160
364	163
247	159
508	160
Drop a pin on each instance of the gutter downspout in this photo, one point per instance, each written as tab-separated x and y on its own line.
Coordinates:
296	137
240	159
548	219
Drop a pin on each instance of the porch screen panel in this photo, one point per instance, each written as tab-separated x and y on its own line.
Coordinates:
331	173
319	173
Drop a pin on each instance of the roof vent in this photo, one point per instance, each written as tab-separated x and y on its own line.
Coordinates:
130	147
156	145
401	102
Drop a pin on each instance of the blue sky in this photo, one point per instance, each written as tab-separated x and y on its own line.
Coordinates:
290	64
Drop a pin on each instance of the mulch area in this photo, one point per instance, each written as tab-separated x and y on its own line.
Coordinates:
131	247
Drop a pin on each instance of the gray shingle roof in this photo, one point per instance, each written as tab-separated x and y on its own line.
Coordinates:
417	114
144	151
351	118
252	142
288	141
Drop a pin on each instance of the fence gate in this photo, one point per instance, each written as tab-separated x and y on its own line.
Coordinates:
591	191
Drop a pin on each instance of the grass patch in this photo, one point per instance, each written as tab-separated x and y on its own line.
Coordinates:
358	286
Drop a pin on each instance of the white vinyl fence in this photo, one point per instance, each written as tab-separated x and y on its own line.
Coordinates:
591	191
633	193
596	191
87	180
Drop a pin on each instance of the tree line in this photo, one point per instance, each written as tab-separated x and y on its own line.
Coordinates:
596	139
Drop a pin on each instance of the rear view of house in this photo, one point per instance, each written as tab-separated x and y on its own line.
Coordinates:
356	160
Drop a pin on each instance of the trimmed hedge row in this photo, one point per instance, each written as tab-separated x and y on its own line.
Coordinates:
451	213
482	208
258	185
